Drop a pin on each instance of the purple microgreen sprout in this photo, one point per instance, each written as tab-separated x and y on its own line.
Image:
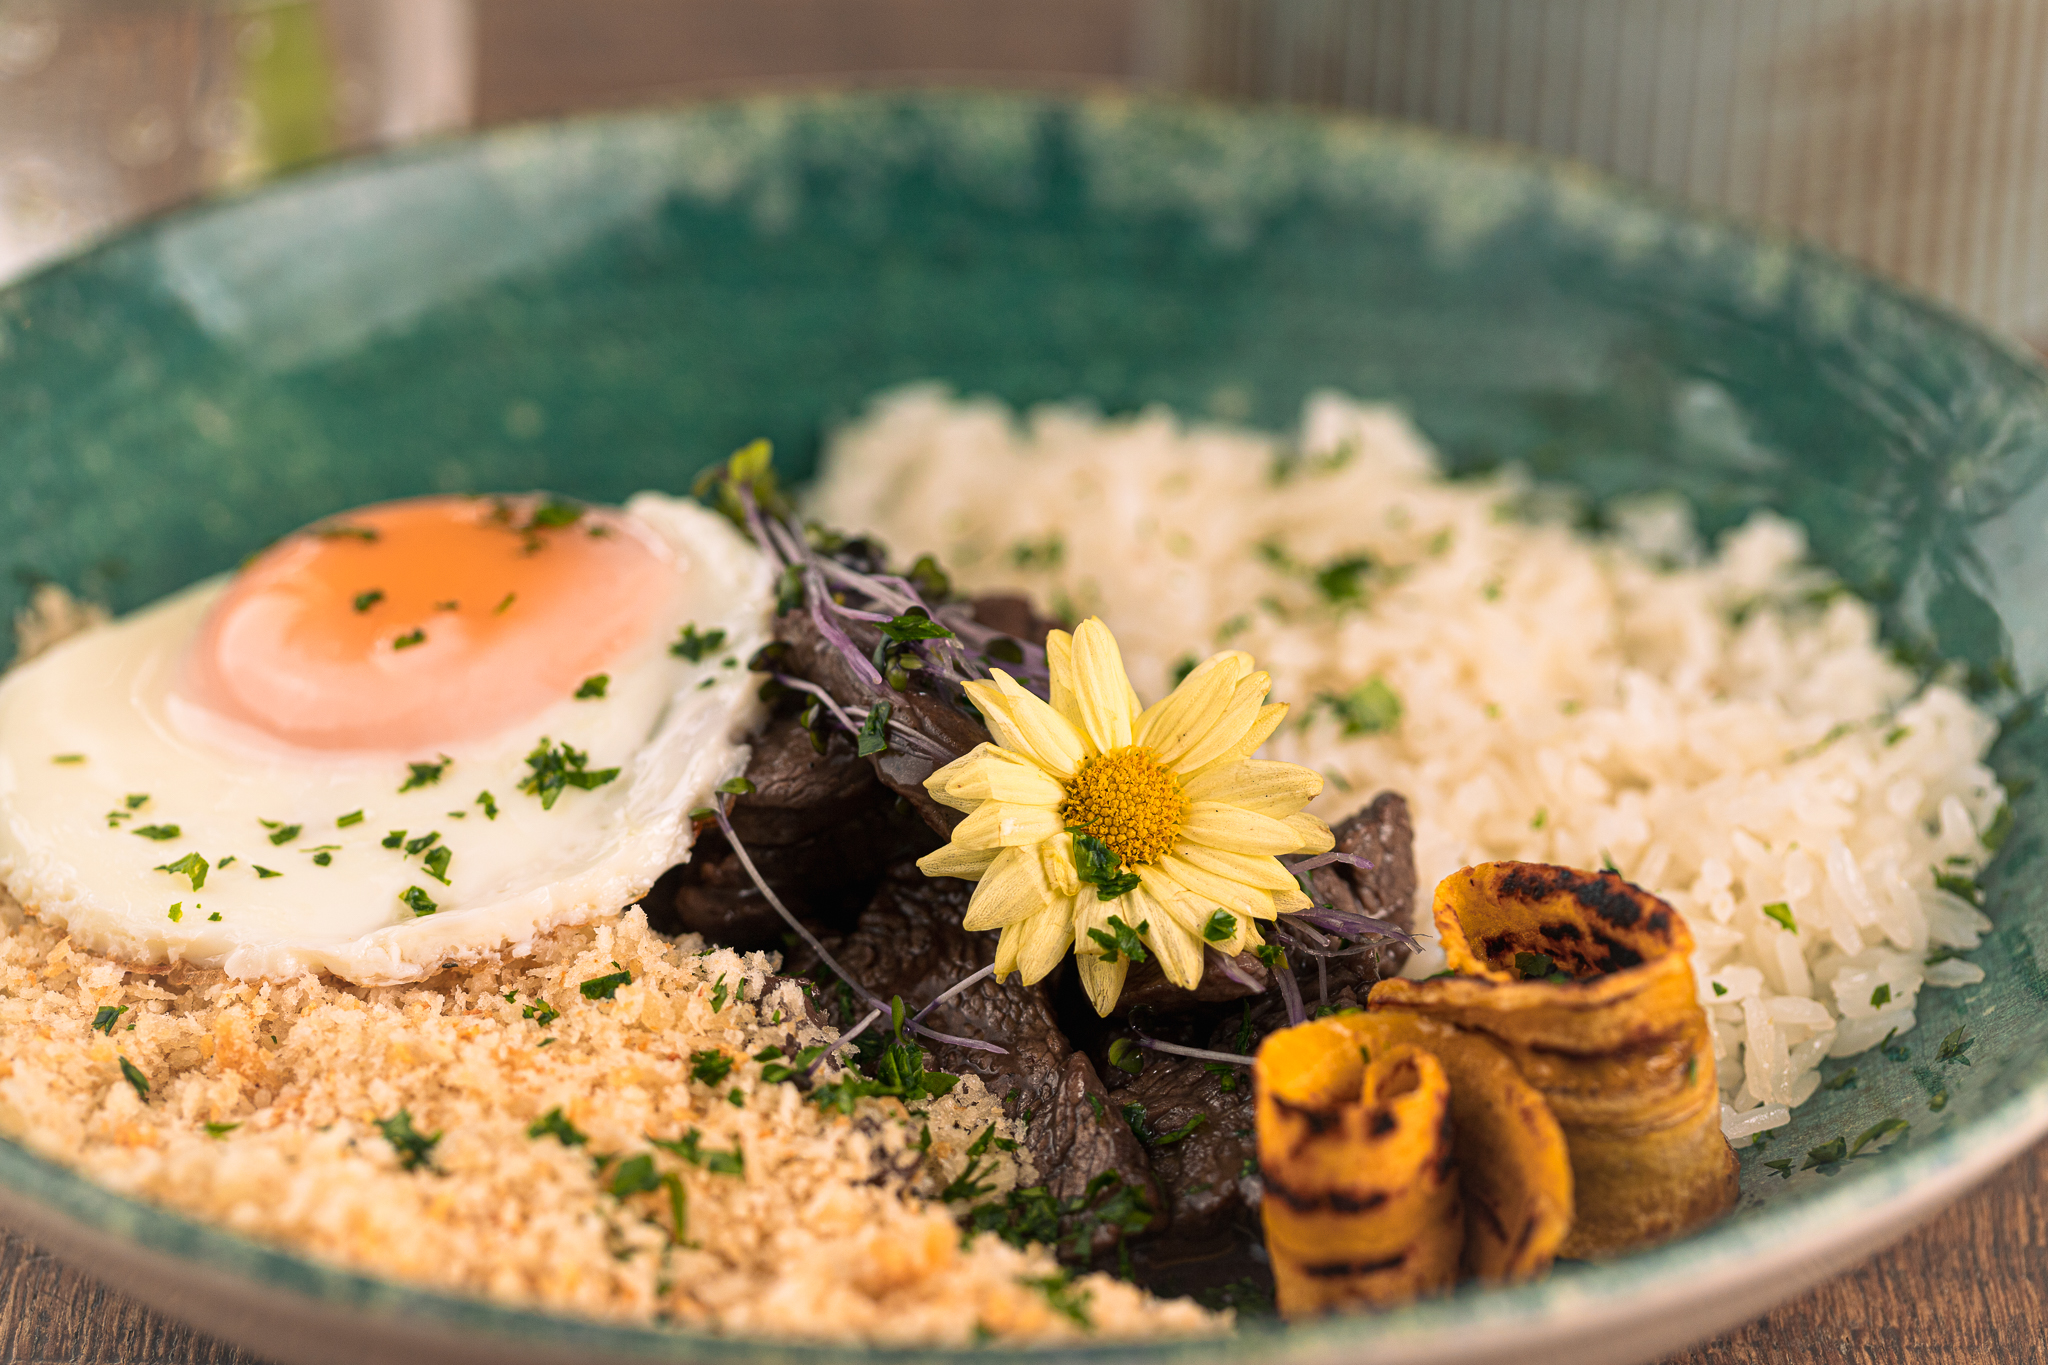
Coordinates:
1202	1053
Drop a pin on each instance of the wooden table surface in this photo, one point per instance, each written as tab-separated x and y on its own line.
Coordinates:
1969	1286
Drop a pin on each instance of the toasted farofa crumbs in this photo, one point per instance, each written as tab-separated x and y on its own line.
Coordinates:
826	1233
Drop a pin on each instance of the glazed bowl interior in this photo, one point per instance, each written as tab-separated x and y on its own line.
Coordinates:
609	305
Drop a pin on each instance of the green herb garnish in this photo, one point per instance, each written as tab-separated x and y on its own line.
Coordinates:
693	645
1220	927
606	987
1845	1081
593	686
280	833
711	1067
557	1126
192	866
690	1147
541	1012
425	774
160	833
1121	939
133	1075
1539	967
220	1130
1955	1045
67	759
436	864
915	624
412	1146
1782	913
1368	709
264	873
418	901
105	1016
874	730
415	636
354	817
366	600
421	843
1098	864
558	767
1882	996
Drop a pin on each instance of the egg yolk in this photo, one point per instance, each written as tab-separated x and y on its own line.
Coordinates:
413	624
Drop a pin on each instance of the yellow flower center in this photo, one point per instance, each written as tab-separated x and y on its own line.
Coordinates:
1127	799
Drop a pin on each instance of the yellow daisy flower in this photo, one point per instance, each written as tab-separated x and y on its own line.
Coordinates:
1095	824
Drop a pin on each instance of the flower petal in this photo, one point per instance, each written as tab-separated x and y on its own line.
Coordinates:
1103	981
1268	787
1235	721
1216	890
1060	873
1218	826
1002	776
996	824
1013	888
936	784
1059	664
1261	871
1286	901
1315	835
955	861
1102	690
1268	720
1041	941
1024	725
1192	709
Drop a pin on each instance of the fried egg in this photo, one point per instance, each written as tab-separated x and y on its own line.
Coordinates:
416	734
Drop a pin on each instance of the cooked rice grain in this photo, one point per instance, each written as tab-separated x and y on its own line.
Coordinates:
1725	728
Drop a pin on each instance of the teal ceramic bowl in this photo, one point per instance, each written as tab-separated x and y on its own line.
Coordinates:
602	306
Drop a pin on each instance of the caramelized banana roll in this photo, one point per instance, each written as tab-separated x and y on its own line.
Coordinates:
1584	979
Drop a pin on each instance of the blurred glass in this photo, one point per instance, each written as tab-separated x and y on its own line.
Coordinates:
1906	133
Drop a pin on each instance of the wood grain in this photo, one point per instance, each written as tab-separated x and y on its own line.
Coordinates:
1968	1288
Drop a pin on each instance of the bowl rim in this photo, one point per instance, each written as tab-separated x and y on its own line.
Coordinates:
1790	1245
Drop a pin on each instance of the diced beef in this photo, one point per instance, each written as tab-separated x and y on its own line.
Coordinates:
910	943
1382	835
1206	1172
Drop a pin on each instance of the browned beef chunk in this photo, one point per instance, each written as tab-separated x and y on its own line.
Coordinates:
910	943
1196	1122
808	655
1014	616
1382	835
819	827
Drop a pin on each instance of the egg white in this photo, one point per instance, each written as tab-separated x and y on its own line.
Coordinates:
69	852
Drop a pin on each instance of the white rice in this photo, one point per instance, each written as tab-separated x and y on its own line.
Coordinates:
1726	728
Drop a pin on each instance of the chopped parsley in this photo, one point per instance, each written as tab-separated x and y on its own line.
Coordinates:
1275	958
1782	1167
1845	1081
67	759
176	912
1120	939
413	1147
773	1071
736	1097
1958	884
1830	1153
436	864
220	1130
425	774
106	1016
1955	1045
419	844
1782	913
135	800
1220	927
417	901
1068	1226
1097	864
634	1175
558	767
1141	1128
1182	667
1719	989
366	600
489	803
1539	967
264	873
690	1147
505	604
394	839
354	817
1368	709
593	686
214	917
555	1125
966	1185
555	512
133	1075
1882	996
322	856
694	645
160	833
1225	1074
606	987
341	530
541	1012
1895	1051
899	1073
280	833
874	730
223	862
415	636
718	994
1876	1132
192	866
710	1067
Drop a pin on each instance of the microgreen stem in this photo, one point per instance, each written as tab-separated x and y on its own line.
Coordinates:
1203	1053
954	990
841	1041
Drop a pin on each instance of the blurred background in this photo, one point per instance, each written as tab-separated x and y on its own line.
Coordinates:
1905	133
